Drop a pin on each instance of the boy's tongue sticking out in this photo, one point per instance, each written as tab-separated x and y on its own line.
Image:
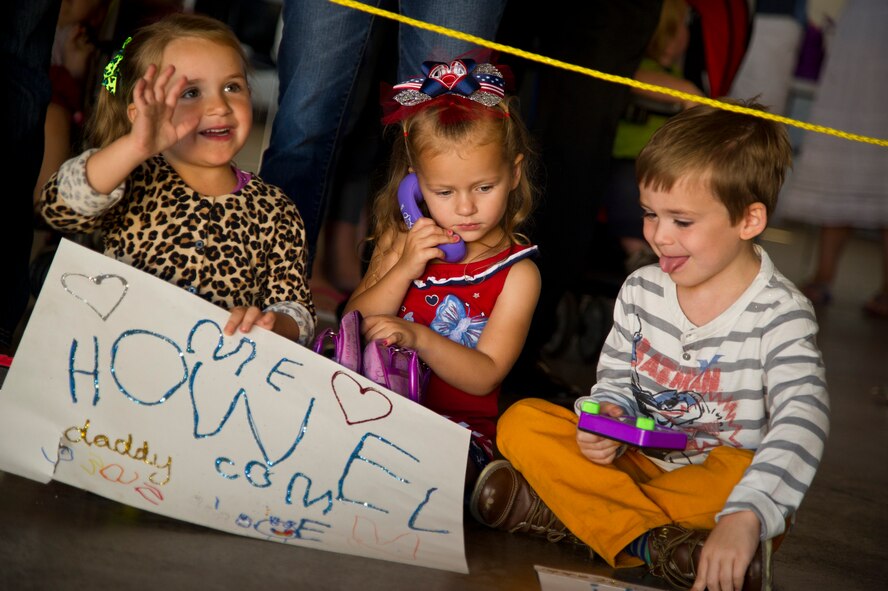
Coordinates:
670	264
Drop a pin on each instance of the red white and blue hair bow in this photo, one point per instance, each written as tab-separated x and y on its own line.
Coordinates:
482	83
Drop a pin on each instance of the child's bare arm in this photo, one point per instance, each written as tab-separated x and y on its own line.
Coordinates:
667	81
380	291
398	259
480	370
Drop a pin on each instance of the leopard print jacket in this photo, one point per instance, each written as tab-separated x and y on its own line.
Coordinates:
241	249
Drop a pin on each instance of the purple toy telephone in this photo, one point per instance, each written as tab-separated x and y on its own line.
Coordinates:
639	432
409	197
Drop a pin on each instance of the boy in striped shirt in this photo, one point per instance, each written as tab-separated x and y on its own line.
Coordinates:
713	341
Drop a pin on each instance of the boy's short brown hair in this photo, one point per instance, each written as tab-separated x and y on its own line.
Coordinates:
743	159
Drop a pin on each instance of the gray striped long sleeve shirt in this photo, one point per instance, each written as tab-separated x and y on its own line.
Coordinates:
751	378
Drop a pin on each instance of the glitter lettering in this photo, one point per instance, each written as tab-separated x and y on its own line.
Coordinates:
81	435
356	455
94	372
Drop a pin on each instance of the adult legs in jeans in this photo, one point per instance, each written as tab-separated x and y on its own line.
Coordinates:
25	44
321	50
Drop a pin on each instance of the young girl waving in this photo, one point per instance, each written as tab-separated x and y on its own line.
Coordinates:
161	188
467	319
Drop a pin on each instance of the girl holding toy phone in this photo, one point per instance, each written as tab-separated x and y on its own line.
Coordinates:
466	313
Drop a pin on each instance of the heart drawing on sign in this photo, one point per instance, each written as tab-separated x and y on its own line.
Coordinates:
365	533
358	404
97	292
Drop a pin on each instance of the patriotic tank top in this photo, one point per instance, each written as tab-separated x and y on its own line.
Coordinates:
455	300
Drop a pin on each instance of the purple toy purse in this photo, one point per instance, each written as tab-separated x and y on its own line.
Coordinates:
398	369
346	342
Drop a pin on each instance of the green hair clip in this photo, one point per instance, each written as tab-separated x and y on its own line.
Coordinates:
109	76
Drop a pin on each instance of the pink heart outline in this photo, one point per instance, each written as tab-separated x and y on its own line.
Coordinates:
407	541
356	402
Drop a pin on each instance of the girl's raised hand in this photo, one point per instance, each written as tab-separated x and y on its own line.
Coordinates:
154	101
421	246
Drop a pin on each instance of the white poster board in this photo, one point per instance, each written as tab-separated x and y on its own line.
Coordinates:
125	386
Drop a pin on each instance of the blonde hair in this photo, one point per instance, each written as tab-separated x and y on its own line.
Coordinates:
741	159
467	123
109	120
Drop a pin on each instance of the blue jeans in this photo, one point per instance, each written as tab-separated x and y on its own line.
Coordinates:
26	35
321	49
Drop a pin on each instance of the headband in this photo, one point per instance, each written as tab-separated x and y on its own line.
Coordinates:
482	83
448	86
109	75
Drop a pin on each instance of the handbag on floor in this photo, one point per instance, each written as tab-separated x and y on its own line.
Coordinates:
397	368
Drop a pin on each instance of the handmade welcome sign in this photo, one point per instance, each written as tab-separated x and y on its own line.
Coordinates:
125	386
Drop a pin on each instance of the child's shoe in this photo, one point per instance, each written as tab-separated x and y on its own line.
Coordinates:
675	552
502	499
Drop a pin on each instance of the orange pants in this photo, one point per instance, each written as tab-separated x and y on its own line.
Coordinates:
609	506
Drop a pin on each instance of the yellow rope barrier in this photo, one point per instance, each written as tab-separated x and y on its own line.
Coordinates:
608	77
